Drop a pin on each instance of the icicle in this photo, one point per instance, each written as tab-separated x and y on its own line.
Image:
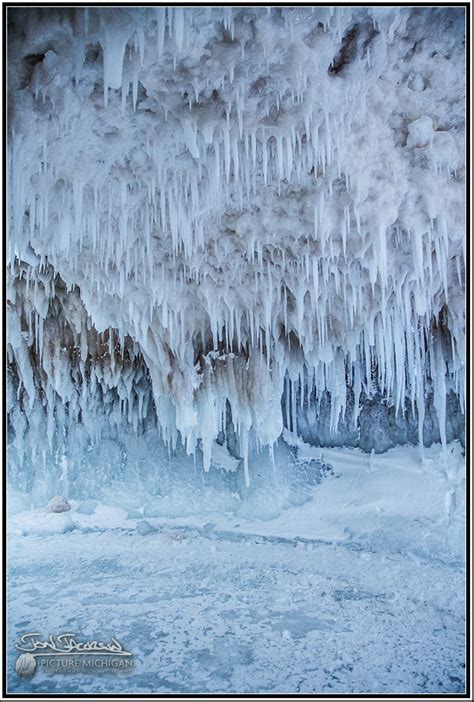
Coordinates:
114	43
258	218
160	13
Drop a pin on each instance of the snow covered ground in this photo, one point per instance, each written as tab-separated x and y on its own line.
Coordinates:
359	589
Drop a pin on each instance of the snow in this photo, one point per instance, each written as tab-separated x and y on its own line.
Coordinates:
364	582
362	496
41	524
221	457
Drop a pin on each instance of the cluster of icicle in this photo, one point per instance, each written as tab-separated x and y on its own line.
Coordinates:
207	204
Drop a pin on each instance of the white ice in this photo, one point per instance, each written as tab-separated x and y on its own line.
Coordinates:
208	203
360	589
229	230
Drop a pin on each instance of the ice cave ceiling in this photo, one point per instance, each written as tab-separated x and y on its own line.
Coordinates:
226	212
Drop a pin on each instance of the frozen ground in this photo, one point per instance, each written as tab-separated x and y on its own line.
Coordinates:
359	589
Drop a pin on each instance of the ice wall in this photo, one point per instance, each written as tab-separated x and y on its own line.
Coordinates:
212	209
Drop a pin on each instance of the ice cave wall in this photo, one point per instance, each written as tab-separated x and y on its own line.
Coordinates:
227	221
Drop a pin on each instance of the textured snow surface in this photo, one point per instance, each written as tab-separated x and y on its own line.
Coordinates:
212	209
359	589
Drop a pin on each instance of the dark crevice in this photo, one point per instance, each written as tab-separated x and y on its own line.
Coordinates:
28	64
347	51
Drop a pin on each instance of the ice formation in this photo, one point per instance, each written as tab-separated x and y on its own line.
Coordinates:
216	214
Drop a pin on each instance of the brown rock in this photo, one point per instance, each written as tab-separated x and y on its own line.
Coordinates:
58	504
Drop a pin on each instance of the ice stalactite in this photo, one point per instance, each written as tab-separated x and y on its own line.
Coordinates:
212	209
